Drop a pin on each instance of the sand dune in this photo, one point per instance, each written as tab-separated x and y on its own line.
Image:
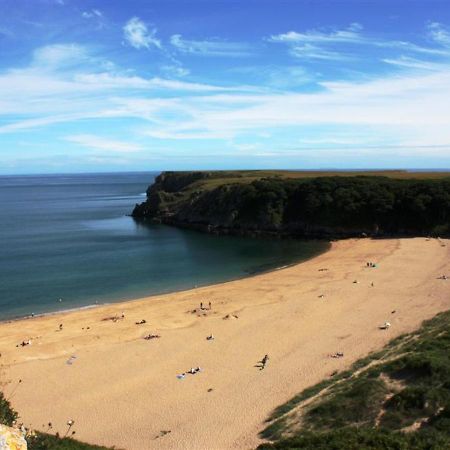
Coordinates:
122	390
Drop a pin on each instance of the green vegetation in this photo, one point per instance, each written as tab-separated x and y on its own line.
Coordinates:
7	414
297	204
361	439
41	441
398	398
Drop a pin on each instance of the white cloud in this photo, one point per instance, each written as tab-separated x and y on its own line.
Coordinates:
316	44
413	63
59	55
92	14
105	80
98	143
209	47
309	51
138	35
439	34
175	70
404	109
350	34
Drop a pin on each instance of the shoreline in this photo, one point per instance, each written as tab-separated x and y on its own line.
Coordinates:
122	390
169	292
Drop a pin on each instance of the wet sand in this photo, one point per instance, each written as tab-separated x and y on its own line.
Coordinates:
123	390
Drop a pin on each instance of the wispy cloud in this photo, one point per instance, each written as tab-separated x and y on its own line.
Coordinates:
407	62
92	14
55	56
67	77
318	44
309	51
211	47
102	144
439	33
138	35
350	34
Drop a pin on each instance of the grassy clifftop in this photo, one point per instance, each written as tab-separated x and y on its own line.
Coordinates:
304	204
398	398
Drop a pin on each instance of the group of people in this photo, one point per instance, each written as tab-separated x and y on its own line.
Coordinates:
371	264
204	307
191	371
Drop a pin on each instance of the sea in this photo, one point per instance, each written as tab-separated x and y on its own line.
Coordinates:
67	241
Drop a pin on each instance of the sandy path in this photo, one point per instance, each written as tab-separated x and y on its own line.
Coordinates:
122	390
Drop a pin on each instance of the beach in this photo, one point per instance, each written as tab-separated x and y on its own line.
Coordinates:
121	389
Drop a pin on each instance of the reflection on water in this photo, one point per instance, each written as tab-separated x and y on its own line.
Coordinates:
70	237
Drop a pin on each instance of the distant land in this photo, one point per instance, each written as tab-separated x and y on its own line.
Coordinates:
305	204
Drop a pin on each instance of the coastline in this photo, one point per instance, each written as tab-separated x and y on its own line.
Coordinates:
122	390
172	291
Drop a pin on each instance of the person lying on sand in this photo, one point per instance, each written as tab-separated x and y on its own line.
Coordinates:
210	337
151	336
113	318
385	326
141	322
337	355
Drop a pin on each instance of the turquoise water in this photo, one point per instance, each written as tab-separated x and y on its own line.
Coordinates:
69	237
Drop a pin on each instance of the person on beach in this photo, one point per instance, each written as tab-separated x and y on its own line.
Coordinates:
209	305
264	361
201	305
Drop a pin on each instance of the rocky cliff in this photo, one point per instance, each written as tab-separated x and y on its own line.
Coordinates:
255	203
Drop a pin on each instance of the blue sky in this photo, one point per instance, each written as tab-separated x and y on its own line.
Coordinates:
112	85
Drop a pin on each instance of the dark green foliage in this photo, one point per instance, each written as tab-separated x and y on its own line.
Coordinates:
407	383
362	439
44	441
357	403
322	206
7	414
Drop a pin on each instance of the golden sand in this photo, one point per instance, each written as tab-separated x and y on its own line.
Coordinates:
123	390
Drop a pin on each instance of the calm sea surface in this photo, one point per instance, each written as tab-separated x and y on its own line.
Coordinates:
68	237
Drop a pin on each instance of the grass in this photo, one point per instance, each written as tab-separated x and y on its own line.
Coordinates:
397	398
219	178
42	441
361	439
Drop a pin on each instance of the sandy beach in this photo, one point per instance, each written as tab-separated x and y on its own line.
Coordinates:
123	390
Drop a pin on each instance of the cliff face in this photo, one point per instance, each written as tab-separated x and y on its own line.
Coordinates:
324	207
